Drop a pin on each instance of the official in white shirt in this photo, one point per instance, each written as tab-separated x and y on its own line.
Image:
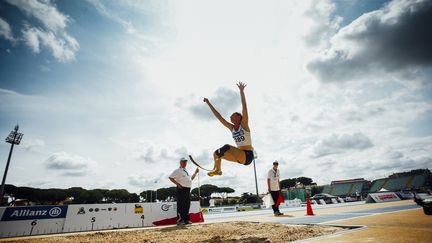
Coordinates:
183	181
273	182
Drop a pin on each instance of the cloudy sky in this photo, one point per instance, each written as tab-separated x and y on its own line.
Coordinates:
109	93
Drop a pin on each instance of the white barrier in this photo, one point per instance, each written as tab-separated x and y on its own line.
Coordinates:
19	221
24	221
84	217
293	203
222	210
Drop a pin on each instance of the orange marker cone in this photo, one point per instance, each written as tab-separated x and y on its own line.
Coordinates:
309	211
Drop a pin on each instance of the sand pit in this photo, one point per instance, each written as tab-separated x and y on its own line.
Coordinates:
217	232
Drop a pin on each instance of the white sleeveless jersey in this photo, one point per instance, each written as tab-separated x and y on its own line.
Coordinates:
241	137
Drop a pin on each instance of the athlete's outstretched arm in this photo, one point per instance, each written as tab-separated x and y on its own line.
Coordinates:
245	119
218	115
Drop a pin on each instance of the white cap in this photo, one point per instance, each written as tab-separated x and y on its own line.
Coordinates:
183	159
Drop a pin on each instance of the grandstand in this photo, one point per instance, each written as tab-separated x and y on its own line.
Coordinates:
415	180
327	189
403	183
418	181
347	188
377	185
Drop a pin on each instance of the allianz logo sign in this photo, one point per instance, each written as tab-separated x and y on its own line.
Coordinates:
27	213
165	207
54	212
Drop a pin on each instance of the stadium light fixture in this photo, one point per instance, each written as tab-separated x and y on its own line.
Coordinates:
13	138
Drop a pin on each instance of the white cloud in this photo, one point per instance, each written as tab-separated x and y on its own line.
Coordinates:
38	184
290	167
153	152
103	10
387	167
393	39
62	46
205	50
323	24
52	34
5	30
69	165
32	143
31	39
337	143
146	182
44	11
7	93
12	102
224	100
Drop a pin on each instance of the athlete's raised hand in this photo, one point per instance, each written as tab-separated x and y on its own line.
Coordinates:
217	114
241	86
245	119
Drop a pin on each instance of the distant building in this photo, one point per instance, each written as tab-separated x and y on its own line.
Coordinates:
355	188
415	180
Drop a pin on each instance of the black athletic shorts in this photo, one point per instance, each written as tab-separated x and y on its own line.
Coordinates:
249	156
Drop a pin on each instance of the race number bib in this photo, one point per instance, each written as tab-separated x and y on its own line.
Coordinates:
238	136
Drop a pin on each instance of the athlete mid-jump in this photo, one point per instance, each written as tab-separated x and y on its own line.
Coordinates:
240	130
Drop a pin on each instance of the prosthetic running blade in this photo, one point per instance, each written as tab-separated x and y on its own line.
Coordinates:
198	165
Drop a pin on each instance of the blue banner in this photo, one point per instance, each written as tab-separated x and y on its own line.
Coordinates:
36	212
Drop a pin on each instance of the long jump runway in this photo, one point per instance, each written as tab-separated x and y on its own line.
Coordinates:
323	214
322	219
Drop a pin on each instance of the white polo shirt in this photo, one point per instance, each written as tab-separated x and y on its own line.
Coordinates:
274	180
182	176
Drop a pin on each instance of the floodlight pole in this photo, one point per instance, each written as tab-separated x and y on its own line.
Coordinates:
256	183
156	190
199	189
13	138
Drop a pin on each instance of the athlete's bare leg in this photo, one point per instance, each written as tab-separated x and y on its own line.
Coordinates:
233	154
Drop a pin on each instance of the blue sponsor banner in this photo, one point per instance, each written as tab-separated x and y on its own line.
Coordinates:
37	212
